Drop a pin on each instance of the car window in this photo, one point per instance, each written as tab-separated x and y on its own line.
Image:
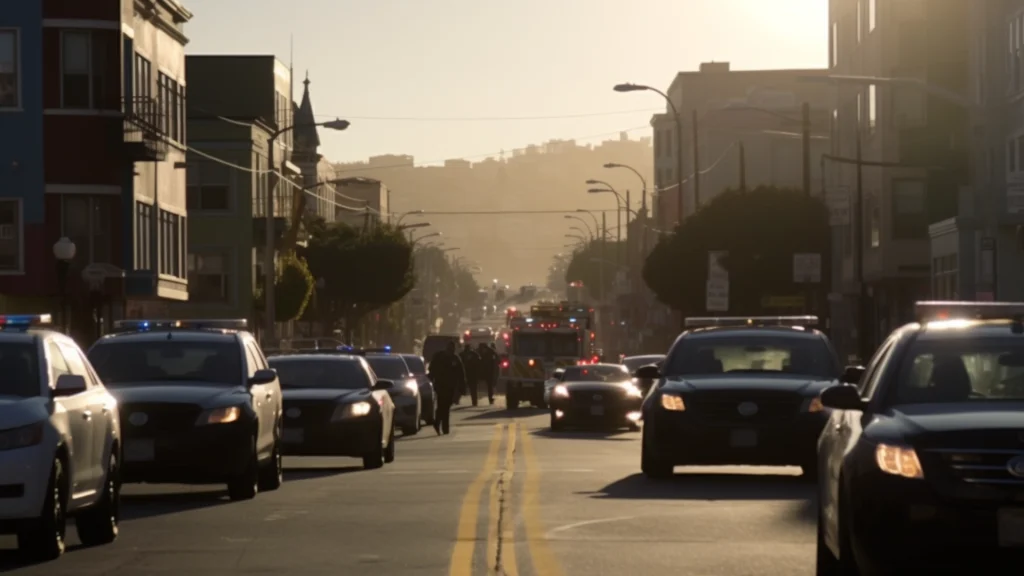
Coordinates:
415	364
91	378
320	373
595	374
752	352
139	362
58	365
75	362
961	370
19	366
869	383
388	367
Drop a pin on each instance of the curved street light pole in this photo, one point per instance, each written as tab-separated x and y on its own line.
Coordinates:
597	225
586	224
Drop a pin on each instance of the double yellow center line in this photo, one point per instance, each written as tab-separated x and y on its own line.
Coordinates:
500	550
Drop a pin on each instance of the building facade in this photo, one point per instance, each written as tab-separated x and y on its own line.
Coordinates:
105	82
362	202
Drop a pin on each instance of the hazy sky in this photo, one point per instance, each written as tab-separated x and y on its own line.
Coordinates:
401	70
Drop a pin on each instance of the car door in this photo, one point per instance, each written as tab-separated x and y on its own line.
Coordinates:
383	398
104	414
262	403
80	424
271	391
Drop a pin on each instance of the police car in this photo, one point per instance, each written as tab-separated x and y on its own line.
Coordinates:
922	461
738	391
199	402
59	441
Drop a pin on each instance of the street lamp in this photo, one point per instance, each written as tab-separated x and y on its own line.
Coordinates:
584	222
64	251
597	225
425	236
679	145
403	215
269	275
643	182
411	226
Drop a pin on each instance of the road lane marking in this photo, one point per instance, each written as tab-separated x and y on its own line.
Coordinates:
469	514
502	527
566	527
544	561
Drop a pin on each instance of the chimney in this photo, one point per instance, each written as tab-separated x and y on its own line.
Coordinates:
708	67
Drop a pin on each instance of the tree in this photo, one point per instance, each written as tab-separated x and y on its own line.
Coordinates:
362	271
293	290
586	262
760	230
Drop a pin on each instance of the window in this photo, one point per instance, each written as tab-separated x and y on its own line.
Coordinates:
860	110
872	15
834	57
1012	166
58	366
329	373
1015	53
172	115
170	244
207	277
872	108
10	236
209	186
909	214
10	86
753	352
85	83
944	277
88	222
143	236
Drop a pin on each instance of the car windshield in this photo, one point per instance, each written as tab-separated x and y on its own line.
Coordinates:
595	374
149	361
634	362
320	373
388	367
416	365
752	353
547	345
19	364
962	370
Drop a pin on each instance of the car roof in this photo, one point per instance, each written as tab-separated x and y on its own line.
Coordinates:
22	336
176	334
732	331
386	357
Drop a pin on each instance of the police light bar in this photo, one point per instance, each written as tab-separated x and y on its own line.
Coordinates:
24	321
931	311
384	350
199	324
700	322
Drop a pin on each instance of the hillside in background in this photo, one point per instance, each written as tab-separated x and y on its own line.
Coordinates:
515	248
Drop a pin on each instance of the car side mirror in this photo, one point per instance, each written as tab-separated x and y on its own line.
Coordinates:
647	372
384	385
853	374
842	397
69	385
264	376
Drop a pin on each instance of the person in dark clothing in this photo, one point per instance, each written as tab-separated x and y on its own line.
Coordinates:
447	374
488	368
471	362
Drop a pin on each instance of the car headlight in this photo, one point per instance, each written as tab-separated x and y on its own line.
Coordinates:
815	405
412	386
561	391
673	403
225	415
22	437
898	461
354	410
633	392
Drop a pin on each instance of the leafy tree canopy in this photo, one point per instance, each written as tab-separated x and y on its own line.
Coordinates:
293	289
761	230
585	266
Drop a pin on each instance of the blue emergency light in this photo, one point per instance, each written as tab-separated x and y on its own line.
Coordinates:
146	325
24	321
387	348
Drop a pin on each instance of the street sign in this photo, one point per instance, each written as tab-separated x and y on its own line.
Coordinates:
717	296
807	268
716	271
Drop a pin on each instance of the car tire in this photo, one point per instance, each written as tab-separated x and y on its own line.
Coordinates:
374	459
44	538
99	524
245	486
556	424
272	474
389	452
651	465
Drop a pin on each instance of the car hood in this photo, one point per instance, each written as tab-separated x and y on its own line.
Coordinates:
956	418
725	383
324	394
594	386
17	412
177	392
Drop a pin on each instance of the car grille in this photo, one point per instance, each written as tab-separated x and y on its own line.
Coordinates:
733	406
592	398
163	418
312	414
976	458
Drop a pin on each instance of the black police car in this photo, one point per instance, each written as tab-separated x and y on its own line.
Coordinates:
923	458
595	394
198	403
738	391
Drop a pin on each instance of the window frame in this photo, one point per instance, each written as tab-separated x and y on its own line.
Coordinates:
19	236
16	64
193	273
196	185
109	203
91	105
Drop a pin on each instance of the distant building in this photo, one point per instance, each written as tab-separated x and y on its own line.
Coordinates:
362	202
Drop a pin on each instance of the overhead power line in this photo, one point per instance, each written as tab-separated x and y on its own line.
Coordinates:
489	118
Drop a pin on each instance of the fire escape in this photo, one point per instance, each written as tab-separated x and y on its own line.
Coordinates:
145	130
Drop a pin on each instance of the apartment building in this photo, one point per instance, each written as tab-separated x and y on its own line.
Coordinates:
98	118
914	147
762	109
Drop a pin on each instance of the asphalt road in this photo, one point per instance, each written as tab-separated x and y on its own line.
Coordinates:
499	491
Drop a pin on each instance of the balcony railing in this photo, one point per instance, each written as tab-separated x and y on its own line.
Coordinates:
144	133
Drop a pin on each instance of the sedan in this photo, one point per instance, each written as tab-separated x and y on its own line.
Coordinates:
334	405
428	404
599	394
406	390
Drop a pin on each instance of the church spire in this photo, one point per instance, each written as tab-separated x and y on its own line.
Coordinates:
306	137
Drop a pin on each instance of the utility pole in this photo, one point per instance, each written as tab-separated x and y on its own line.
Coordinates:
604	242
269	272
806	112
863	316
743	167
696	168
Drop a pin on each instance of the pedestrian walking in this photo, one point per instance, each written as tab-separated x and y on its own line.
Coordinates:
471	363
488	368
448	375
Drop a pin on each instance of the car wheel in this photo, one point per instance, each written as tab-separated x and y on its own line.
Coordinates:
556	424
651	465
375	458
99	524
272	474
43	538
389	452
246	485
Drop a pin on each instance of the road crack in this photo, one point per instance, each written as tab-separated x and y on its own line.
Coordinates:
504	493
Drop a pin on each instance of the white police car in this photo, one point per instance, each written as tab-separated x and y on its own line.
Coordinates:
59	441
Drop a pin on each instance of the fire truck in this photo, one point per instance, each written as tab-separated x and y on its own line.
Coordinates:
551	337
